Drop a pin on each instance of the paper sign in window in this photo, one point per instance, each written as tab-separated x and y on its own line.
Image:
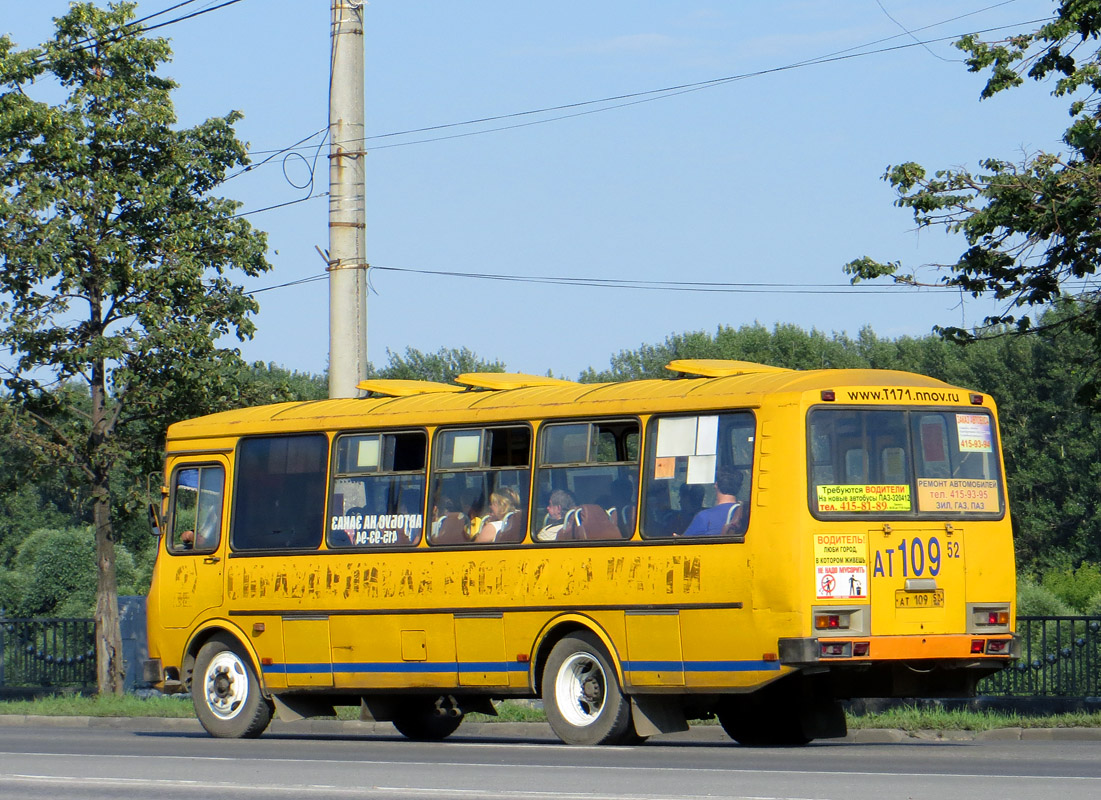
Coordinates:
367	452
676	437
466	448
973	431
701	469
665	468
707	436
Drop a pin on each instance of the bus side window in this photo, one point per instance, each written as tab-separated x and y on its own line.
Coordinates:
377	496
197	508
480	485
694	465
587	485
280	492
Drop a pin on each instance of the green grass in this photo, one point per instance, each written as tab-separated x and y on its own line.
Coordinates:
906	719
914	719
76	705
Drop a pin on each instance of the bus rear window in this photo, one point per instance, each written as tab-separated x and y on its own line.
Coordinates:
903	463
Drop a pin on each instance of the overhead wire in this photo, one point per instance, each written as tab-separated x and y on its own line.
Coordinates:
639	284
672	91
633	98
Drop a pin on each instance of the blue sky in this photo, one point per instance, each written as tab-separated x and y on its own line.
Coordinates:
772	179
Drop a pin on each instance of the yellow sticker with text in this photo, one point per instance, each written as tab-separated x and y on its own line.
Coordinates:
864	497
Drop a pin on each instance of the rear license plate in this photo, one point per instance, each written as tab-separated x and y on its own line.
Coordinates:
933	599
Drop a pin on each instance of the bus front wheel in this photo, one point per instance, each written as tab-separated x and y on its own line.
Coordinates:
226	692
581	695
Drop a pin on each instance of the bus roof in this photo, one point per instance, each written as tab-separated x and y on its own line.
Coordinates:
402	405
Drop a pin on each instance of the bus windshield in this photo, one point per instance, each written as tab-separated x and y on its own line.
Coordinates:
908	463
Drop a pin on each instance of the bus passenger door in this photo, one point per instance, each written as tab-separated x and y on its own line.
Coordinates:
306	651
194	542
480	648
654	649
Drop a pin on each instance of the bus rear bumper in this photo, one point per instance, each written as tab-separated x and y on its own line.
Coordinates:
953	647
901	666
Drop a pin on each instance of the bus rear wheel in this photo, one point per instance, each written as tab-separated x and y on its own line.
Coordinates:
226	692
425	720
773	719
581	696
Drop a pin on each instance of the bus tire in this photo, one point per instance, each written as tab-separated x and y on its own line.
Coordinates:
581	695
421	720
769	720
226	692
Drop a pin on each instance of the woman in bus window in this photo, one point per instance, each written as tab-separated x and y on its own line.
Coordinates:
503	505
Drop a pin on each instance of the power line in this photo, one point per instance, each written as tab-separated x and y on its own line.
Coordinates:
162	13
644	285
651	95
712	287
662	94
128	29
192	15
281	205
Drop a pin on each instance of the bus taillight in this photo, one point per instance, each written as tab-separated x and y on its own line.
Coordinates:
825	622
835	649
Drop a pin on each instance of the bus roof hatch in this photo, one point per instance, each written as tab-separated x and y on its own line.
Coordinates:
508	380
718	367
405	388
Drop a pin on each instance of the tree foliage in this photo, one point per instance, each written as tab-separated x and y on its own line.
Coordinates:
442	366
115	261
1033	226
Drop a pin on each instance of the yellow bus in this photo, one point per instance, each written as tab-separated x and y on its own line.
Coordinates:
736	541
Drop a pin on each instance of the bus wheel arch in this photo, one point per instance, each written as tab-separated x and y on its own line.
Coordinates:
226	689
556	630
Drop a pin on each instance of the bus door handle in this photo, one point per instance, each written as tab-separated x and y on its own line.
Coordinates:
212	559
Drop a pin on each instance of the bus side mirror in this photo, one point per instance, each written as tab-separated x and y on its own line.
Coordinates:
155	519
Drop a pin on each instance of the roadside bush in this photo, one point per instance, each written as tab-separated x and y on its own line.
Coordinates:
1075	587
1034	599
55	574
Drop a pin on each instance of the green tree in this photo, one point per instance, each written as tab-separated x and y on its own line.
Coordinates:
115	260
442	366
1032	226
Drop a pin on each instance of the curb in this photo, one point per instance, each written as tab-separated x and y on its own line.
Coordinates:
712	734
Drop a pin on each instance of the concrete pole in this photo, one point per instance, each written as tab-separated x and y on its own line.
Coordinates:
347	198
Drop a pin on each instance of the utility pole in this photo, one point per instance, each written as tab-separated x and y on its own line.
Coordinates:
347	199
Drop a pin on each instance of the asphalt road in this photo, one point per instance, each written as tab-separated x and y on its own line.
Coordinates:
164	761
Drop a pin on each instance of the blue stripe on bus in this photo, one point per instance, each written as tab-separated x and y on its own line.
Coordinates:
701	666
401	666
421	667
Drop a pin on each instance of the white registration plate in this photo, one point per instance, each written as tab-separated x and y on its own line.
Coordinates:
933	599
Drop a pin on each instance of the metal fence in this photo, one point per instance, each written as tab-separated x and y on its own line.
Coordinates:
1060	657
47	653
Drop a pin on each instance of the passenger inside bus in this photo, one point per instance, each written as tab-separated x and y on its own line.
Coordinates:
504	523
727	515
691	503
559	505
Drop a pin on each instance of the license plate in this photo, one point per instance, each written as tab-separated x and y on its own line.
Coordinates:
933	599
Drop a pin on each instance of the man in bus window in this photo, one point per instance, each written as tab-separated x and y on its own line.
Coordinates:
727	511
209	528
